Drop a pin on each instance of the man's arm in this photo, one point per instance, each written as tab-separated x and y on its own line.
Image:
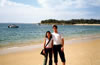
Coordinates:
62	42
62	48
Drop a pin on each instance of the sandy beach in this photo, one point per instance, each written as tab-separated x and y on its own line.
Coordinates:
77	52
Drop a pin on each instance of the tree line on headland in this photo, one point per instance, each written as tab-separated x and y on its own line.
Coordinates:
73	21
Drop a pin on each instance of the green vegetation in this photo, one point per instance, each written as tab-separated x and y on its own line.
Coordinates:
71	22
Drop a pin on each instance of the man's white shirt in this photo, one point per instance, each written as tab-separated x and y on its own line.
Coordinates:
57	38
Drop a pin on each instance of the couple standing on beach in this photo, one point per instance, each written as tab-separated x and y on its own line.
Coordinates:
55	45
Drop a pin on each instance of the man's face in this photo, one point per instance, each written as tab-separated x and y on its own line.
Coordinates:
54	29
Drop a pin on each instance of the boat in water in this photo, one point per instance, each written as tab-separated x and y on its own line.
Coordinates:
13	26
39	24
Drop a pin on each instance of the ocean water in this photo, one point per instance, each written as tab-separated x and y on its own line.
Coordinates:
32	33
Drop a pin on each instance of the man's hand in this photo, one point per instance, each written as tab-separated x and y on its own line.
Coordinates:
62	48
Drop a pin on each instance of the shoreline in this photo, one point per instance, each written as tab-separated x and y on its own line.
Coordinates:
32	42
37	46
19	49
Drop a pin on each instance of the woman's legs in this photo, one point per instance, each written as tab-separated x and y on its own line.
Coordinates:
48	51
45	58
50	57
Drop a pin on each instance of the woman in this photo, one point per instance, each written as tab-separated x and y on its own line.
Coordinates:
48	45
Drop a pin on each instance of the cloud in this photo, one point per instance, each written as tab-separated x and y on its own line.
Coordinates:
2	2
11	11
17	12
69	3
9	3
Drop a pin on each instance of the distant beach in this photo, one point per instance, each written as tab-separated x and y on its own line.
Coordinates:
88	24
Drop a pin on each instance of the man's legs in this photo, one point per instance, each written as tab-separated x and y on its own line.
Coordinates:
63	63
55	58
55	55
62	56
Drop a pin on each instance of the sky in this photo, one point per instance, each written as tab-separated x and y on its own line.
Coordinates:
33	11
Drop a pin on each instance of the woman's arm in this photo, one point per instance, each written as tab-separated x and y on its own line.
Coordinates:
44	42
44	45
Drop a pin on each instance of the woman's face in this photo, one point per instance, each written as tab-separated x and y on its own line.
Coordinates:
48	35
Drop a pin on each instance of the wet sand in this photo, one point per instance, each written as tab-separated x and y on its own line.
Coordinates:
77	52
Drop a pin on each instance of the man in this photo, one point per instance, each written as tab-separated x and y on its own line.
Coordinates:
58	46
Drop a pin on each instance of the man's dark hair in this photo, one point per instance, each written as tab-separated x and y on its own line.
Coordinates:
54	26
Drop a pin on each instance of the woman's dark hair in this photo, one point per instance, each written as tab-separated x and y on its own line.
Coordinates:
54	26
49	33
